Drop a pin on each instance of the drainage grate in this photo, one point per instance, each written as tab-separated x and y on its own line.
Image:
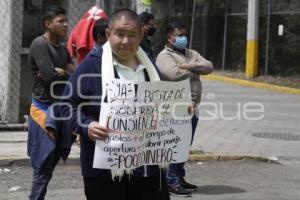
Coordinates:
277	136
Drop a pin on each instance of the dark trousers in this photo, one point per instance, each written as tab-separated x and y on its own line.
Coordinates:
129	188
41	177
176	170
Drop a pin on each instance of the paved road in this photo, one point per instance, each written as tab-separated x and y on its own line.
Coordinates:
278	135
228	126
240	180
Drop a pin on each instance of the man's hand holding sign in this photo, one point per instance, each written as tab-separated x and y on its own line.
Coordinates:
143	123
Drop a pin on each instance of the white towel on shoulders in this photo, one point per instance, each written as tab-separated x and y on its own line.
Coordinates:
107	67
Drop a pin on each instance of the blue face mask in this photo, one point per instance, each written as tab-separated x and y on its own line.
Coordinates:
180	42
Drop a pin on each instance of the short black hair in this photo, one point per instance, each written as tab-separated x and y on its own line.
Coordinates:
173	25
99	28
52	11
145	17
127	13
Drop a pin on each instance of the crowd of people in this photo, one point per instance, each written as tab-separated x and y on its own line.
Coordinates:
120	37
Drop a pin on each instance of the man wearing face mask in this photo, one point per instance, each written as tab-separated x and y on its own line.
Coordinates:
177	63
148	29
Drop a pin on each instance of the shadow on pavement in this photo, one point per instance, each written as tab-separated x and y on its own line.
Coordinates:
218	190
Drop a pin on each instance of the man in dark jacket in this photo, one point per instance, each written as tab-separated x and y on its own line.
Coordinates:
50	63
124	37
99	34
148	28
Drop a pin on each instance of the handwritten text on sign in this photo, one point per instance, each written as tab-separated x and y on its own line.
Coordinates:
148	124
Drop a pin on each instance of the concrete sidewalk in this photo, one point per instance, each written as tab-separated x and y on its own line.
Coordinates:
226	129
13	148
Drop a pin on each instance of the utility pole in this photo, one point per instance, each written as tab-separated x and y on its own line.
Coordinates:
192	25
225	35
98	4
252	40
267	39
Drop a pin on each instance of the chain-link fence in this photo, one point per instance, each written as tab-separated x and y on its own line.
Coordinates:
76	8
277	53
15	67
10	45
220	32
207	22
284	49
4	54
32	28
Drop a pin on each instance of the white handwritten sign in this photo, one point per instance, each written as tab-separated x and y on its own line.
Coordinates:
148	124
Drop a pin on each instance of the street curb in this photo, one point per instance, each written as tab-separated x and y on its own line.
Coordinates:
211	157
4	162
259	85
14	127
193	157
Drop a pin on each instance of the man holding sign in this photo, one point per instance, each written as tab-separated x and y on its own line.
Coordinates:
120	58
